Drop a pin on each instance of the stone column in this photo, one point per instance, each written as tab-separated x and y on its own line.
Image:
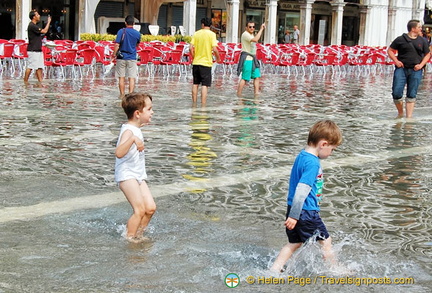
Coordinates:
305	21
81	18
337	18
418	9
189	16
364	14
233	9
391	33
86	11
270	31
23	8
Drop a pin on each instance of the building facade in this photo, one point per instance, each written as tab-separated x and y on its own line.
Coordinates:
331	22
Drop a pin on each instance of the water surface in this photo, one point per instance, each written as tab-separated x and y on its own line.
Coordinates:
219	175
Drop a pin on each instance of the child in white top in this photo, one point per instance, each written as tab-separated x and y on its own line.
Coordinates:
130	171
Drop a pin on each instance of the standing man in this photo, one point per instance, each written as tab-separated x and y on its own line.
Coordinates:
126	42
202	45
248	64
287	37
34	48
296	35
412	55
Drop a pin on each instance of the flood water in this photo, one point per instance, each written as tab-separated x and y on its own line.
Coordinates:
219	176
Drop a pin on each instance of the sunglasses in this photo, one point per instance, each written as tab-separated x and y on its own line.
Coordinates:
251	26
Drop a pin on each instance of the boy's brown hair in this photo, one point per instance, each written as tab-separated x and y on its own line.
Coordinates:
325	130
134	102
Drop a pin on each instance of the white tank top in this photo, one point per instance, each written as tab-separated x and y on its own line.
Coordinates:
132	165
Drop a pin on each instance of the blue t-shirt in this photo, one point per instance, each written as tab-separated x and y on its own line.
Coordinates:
131	40
307	170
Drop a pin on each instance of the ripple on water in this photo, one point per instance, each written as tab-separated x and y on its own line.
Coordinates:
58	142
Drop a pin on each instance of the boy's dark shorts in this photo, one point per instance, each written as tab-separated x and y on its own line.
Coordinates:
202	75
309	224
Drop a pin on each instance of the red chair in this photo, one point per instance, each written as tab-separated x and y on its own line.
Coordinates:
232	60
20	54
17	41
306	60
65	60
47	53
222	56
81	45
171	60
65	43
157	57
104	57
6	57
341	61
362	61
186	61
145	57
324	61
288	61
86	58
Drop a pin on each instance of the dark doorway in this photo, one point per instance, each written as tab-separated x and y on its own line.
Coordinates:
63	17
350	30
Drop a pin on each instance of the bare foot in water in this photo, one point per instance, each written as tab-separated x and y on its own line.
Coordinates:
137	239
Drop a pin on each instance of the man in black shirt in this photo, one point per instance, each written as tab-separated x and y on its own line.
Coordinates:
410	53
34	48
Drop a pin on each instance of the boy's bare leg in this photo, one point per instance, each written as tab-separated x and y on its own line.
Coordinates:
284	255
133	193
328	252
330	257
150	208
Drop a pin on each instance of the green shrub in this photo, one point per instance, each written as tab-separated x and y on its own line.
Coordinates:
180	38
144	38
97	37
165	39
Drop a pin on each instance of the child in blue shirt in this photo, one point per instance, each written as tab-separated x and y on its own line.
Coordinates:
305	192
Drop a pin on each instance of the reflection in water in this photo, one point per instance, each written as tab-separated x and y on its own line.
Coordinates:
400	176
57	142
201	157
247	113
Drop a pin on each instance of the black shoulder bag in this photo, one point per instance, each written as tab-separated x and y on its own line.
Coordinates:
119	54
420	54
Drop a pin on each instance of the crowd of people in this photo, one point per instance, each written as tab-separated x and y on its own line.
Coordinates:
409	52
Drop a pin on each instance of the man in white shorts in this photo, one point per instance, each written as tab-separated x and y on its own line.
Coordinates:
34	48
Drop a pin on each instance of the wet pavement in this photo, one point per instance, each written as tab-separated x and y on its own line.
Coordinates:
219	177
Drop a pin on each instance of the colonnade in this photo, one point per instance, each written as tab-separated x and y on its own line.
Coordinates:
380	20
